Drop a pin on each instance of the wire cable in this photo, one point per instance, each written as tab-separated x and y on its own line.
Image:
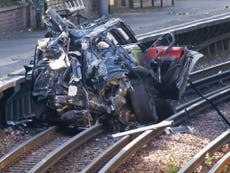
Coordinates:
210	102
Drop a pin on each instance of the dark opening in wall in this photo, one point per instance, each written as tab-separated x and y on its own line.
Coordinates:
123	3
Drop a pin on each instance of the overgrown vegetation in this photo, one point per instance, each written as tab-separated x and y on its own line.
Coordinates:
208	160
171	165
226	169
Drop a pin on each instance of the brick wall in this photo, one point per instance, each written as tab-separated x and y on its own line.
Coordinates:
17	18
13	18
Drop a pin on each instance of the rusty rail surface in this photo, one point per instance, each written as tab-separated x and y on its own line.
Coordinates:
200	74
105	156
135	143
26	147
220	165
66	145
98	162
183	106
124	146
213	146
66	148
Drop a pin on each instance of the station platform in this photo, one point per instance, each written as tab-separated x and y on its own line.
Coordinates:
17	49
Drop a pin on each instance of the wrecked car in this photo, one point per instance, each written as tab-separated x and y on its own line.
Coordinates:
85	74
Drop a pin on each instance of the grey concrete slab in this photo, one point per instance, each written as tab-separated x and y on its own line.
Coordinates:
17	50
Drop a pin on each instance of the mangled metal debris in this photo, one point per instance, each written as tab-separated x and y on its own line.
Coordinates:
179	129
85	74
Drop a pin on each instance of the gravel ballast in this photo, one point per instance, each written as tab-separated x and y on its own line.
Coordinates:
11	137
170	152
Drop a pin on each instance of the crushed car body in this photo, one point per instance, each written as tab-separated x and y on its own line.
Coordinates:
86	75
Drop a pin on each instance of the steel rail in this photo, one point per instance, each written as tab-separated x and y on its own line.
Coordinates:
211	79
98	162
183	106
55	155
219	166
210	148
129	149
200	106
66	148
199	74
6	161
201	84
223	68
7	158
136	143
26	147
17	152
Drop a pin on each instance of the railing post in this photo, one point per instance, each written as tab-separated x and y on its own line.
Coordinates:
131	4
153	3
141	3
103	8
28	15
38	12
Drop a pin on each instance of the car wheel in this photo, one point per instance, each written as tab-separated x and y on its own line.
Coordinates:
142	105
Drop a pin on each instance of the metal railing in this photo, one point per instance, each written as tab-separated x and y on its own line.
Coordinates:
68	7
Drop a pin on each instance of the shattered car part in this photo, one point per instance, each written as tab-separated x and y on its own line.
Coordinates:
85	75
179	129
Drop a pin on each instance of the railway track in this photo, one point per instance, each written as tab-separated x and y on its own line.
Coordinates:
211	148
137	142
110	158
215	69
44	150
222	164
129	143
79	158
218	75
